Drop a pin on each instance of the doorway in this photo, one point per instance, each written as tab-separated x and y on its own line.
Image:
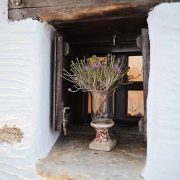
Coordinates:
79	39
84	38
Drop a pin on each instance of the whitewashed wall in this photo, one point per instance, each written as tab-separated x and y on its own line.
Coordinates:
163	128
25	57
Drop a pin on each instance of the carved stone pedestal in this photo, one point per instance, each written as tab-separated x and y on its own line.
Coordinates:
102	142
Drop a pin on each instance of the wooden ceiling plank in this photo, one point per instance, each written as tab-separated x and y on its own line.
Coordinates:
61	10
75	3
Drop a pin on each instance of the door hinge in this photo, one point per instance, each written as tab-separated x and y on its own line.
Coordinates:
65	120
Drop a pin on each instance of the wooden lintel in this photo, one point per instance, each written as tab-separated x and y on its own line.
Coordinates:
68	10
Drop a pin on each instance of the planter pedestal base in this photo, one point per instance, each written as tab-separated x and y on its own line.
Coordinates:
105	146
102	142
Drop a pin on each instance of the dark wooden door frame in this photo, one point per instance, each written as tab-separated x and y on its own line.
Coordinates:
57	84
121	100
146	69
144	44
58	103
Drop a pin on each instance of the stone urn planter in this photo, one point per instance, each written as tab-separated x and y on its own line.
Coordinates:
100	76
102	121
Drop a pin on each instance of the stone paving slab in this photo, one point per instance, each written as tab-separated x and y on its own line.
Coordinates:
71	159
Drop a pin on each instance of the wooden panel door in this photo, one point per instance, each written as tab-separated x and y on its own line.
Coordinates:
58	103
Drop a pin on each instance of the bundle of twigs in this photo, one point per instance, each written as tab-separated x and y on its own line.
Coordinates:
96	74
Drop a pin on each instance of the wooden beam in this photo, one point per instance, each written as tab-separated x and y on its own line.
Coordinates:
64	3
129	48
96	19
68	10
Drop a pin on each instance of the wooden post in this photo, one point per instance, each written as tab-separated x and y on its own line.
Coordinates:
121	98
146	68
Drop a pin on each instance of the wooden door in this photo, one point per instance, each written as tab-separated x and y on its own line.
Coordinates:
58	103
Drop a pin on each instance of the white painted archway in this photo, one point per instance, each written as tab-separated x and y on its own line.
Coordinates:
163	126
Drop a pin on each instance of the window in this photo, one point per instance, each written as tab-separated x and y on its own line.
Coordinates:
135	96
135	103
135	72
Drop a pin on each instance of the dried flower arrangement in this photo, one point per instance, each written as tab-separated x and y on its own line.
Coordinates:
100	77
96	74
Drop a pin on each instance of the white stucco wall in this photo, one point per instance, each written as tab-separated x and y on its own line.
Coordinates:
25	57
163	128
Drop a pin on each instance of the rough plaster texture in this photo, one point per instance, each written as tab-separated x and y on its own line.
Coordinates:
163	128
25	58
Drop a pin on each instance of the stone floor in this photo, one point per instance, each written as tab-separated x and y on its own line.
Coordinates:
70	158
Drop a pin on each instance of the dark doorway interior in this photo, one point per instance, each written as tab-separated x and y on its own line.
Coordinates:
85	38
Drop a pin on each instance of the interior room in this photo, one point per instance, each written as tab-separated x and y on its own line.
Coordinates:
101	37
